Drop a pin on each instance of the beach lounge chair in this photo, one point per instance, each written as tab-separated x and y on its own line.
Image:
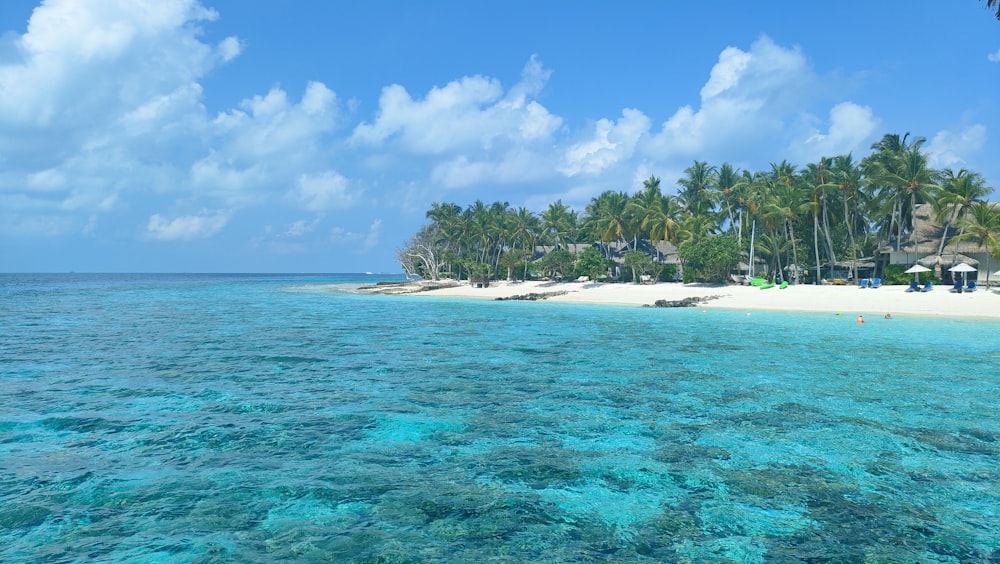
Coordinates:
928	286
863	283
914	287
876	282
971	287
957	288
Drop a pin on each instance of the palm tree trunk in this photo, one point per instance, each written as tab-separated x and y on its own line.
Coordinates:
816	245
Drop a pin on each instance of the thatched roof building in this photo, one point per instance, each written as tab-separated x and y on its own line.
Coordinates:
929	245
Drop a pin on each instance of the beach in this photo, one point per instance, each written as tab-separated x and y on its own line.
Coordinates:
984	303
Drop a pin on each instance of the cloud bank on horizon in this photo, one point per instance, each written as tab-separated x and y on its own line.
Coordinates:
110	158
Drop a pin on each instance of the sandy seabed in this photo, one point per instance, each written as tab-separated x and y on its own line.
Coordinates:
848	300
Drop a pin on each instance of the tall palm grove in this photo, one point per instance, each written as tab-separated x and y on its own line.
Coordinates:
834	211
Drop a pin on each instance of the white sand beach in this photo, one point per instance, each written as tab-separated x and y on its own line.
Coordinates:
848	300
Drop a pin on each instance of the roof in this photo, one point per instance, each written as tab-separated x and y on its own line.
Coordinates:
926	236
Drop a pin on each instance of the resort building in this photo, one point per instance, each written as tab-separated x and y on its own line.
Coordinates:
929	244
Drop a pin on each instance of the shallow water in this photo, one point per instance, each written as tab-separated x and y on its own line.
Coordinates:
197	418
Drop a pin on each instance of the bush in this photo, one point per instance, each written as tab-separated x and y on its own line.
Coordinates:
894	274
709	258
589	262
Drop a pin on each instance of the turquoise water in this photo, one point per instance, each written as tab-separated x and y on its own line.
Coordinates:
198	418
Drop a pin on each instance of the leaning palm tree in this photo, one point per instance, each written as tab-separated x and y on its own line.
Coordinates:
898	172
959	190
786	203
819	188
848	179
727	182
982	223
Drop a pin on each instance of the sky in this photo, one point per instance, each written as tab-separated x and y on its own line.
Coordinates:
310	136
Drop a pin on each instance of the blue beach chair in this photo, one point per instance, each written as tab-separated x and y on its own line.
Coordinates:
914	287
863	283
876	283
928	286
971	287
957	288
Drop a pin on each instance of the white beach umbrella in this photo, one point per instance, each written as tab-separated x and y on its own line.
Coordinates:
915	270
964	269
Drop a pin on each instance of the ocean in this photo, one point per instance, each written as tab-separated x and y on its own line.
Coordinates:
258	418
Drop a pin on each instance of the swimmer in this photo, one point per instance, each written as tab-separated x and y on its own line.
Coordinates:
888	316
861	320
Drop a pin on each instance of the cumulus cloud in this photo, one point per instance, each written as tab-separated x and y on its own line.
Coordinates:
186	227
611	142
265	144
994	57
850	127
955	148
68	43
324	191
468	114
102	99
748	94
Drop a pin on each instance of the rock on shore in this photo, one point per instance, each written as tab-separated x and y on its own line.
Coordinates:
409	287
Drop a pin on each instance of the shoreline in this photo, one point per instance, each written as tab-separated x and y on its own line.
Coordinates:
983	304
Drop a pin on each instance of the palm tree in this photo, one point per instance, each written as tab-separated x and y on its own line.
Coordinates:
557	224
727	182
608	219
784	205
524	227
993	4
638	205
696	187
982	223
662	220
848	178
958	191
894	172
817	181
445	221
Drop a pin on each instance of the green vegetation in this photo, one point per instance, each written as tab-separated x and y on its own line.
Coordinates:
835	210
710	258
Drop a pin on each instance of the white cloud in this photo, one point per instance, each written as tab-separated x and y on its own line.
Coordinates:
103	99
372	237
610	143
270	125
517	165
68	43
747	96
726	73
468	114
362	242
324	191
186	227
228	49
951	148
850	127
994	57
301	227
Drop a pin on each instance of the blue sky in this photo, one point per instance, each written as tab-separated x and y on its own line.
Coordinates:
312	136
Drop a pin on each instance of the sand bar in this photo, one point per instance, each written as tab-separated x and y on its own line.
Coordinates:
984	303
